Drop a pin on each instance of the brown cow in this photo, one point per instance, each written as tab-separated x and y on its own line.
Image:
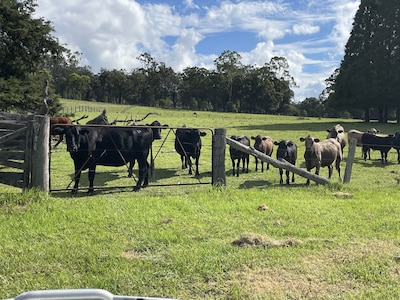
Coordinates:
322	154
265	145
58	120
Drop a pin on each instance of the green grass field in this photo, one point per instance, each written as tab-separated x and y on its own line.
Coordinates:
253	239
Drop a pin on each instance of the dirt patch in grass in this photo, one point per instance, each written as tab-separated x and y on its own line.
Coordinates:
318	276
250	239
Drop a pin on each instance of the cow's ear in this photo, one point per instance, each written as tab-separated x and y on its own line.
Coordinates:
264	138
302	139
253	137
340	131
202	133
165	126
276	143
328	130
316	140
290	143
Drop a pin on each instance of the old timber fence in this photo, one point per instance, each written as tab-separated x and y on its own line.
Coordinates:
25	153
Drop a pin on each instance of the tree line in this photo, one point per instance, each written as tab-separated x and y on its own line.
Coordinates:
366	85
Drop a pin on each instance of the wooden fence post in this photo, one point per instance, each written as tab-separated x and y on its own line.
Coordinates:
350	160
218	157
39	152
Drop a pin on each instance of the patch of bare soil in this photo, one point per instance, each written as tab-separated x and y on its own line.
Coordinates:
316	276
250	239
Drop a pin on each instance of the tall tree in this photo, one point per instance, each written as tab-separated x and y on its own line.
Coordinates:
25	44
369	73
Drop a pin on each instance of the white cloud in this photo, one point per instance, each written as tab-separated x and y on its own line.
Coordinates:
112	33
305	29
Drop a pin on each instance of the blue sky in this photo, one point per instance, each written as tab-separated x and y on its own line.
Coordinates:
111	34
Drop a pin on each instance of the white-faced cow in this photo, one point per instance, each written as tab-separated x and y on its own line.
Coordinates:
337	132
238	156
357	134
107	146
287	150
265	145
188	145
322	154
374	142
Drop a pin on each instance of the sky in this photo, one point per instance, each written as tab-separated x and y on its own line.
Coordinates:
111	34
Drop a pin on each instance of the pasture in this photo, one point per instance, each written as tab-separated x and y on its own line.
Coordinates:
253	239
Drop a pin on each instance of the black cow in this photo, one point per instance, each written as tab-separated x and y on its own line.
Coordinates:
287	150
237	155
396	145
101	119
108	146
156	128
375	142
188	145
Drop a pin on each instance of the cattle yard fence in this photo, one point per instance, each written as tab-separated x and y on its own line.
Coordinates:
25	154
24	151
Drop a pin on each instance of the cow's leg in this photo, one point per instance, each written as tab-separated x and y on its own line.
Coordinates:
91	175
256	161
330	170
292	176
280	175
338	169
130	168
143	174
262	166
197	173
247	159
287	177
238	167
189	160
77	177
76	185
183	162
365	151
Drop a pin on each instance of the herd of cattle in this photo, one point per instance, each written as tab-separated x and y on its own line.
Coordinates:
93	145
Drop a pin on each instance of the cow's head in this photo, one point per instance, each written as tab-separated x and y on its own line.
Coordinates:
157	129
73	136
309	141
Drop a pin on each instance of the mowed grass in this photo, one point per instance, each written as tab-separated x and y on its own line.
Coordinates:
253	239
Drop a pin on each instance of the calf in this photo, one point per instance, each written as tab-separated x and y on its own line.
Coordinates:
337	132
265	145
287	150
322	154
188	145
238	156
374	142
356	134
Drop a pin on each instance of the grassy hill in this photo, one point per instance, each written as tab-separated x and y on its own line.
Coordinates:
253	239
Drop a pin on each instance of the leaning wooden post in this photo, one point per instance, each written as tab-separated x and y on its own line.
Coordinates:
40	151
350	160
218	157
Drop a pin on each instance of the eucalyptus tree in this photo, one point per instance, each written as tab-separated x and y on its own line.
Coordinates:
369	73
228	67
